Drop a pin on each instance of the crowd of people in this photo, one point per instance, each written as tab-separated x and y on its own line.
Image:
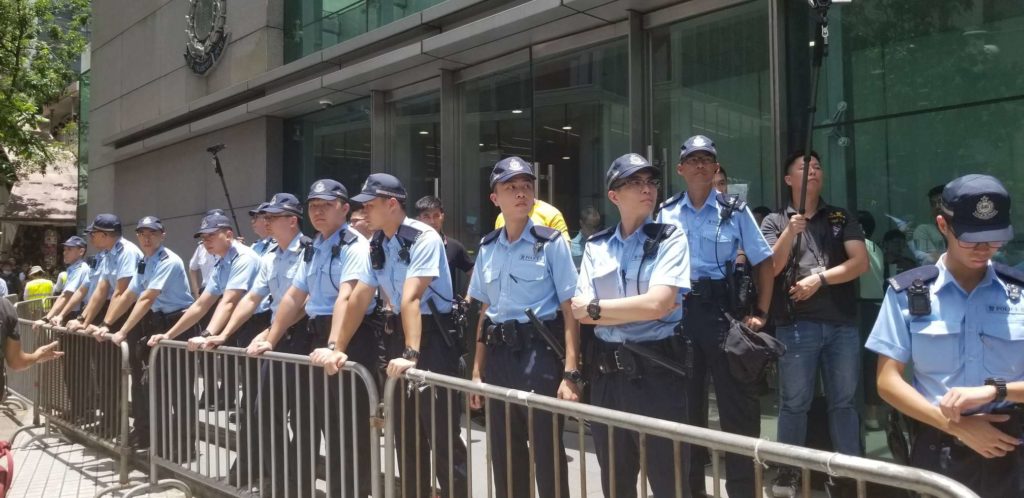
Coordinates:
632	317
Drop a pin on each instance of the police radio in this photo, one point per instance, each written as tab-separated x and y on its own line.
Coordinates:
918	301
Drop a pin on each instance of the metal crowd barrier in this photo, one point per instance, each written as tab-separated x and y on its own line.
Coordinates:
21	386
85	394
449	389
270	446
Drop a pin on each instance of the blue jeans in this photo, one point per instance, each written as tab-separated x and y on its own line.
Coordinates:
836	349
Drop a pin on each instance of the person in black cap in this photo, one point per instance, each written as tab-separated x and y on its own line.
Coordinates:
718	226
326	273
258	222
631	283
958	322
67	306
119	261
232	277
524	266
407	260
156	297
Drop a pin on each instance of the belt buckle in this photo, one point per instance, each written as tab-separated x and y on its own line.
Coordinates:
618	359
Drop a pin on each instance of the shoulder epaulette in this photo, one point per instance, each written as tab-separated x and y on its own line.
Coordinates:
408	233
731	204
347	237
490	237
1009	273
163	254
545	233
658	231
671	200
601	234
904	280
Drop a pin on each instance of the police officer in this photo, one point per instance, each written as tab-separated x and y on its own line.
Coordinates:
68	304
958	321
328	269
408	263
525	267
282	218
232	277
717	226
119	261
631	283
157	296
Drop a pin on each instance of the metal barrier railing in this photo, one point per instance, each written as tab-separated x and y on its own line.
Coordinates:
85	394
273	445
396	435
22	385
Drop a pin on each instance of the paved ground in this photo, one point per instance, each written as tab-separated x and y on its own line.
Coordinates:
50	466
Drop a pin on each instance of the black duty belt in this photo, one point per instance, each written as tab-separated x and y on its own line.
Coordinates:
165	321
516	335
634	359
707	289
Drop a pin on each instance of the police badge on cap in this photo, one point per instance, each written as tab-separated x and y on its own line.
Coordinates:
977	208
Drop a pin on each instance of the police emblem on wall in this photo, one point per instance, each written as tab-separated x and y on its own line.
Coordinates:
204	27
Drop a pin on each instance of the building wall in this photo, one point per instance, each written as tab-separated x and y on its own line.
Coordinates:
139	74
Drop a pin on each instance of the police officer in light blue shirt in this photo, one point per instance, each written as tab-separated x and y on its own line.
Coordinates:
328	268
78	276
525	267
631	283
717	226
157	296
960	323
232	277
406	254
259	221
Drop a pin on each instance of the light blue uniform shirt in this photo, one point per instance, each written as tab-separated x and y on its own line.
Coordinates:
235	271
3	287
426	259
78	275
164	272
713	242
261	248
966	339
321	278
611	267
121	261
511	277
277	269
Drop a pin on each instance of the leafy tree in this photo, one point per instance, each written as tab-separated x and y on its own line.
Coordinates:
40	44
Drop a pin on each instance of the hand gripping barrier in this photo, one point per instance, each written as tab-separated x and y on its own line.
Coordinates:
301	431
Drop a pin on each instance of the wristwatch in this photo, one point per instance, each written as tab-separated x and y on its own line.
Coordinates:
104	325
410	354
1000	385
759	313
205	333
574	376
594	309
331	345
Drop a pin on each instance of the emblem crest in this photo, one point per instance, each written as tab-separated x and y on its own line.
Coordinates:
514	165
699	141
986	209
636	159
205	225
204	27
319	187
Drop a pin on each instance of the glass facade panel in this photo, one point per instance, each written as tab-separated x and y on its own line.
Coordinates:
333	143
313	25
83	149
568	115
414	144
914	95
711	77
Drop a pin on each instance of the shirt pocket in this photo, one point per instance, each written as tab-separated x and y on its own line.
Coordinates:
1003	347
529	279
492	283
717	244
605	281
936	347
638	278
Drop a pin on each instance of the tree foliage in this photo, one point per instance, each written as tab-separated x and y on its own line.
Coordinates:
40	44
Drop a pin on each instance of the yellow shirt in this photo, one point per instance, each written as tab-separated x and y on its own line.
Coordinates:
543	214
38	288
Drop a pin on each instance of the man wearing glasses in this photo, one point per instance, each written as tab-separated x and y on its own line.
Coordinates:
961	322
717	226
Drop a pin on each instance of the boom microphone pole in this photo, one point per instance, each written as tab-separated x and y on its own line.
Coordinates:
220	172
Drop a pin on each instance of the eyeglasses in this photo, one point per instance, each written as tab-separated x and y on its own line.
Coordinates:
981	245
639	183
704	161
